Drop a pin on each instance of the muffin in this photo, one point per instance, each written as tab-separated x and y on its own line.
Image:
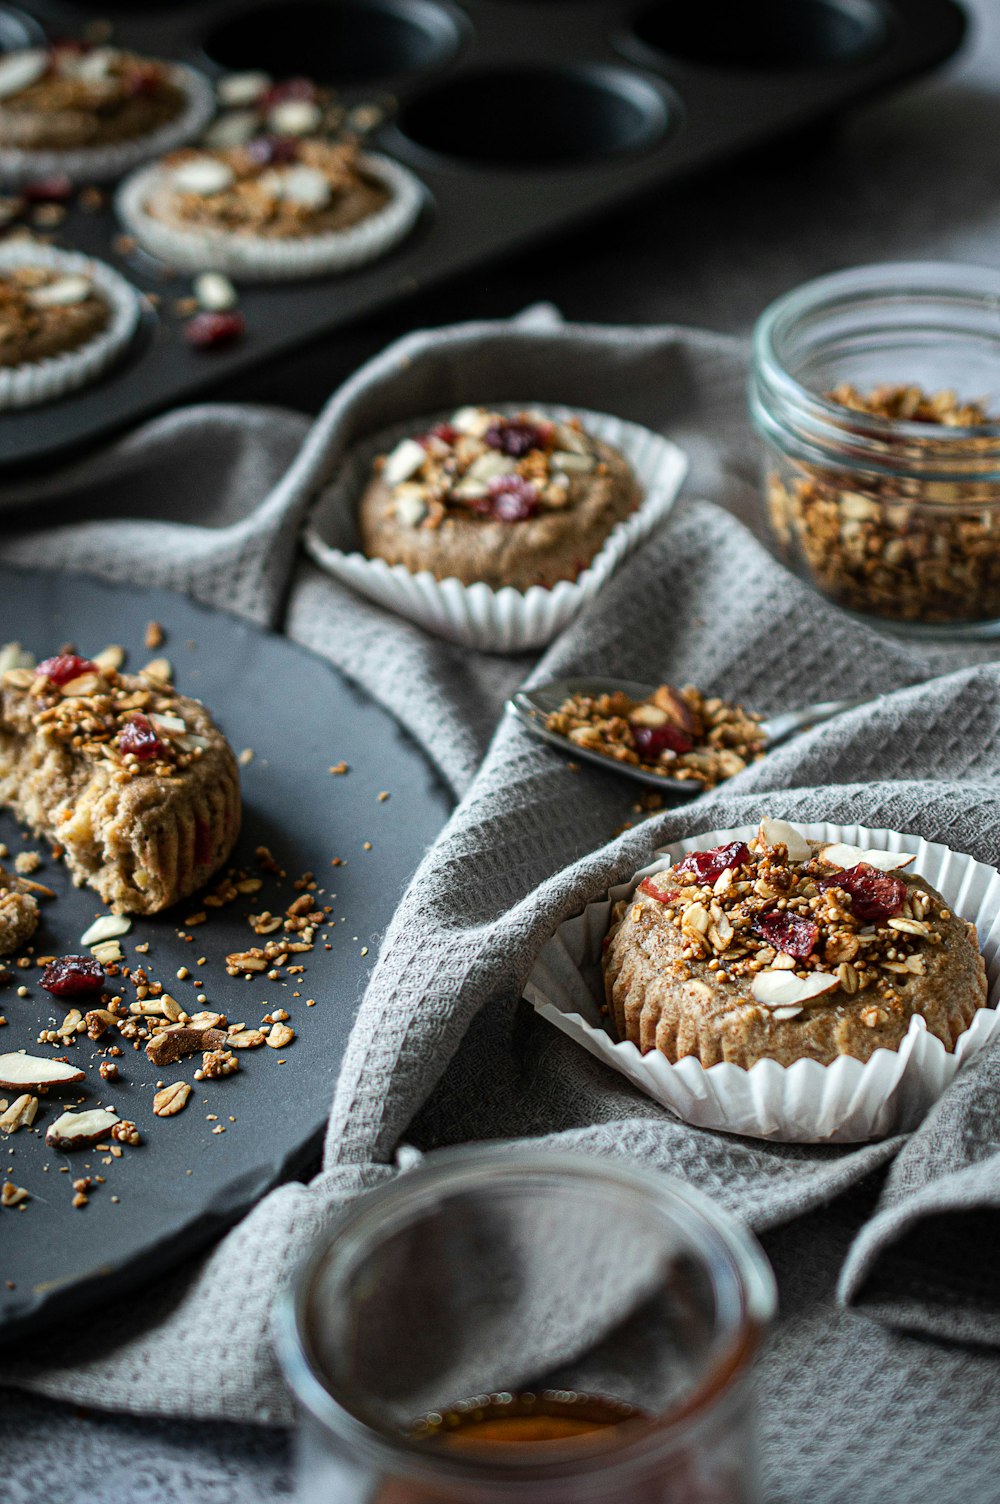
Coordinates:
784	949
93	111
273	207
510	500
133	781
64	319
18	913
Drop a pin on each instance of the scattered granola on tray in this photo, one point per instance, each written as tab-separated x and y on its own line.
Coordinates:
680	733
786	949
915	537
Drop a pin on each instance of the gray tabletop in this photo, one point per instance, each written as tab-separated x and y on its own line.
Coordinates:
915	177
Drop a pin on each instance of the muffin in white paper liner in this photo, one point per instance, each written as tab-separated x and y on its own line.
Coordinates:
477	616
42	380
281	259
848	1101
104	164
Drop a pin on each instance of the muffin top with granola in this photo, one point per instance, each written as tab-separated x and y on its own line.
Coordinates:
45	312
787	949
275	188
73	95
514	499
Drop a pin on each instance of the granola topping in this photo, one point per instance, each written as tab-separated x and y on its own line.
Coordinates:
482	463
44	312
860	931
681	733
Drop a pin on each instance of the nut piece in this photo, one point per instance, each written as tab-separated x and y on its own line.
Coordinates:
246	1039
20	1114
126	1132
279	1036
170	1099
182	1039
783	989
11	1194
35	1074
81	1130
215	1064
844	856
780	833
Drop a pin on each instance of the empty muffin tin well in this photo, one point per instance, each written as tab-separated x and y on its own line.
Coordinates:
336	41
18	29
765	35
524	117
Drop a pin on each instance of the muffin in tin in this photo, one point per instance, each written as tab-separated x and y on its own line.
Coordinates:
506	499
70	96
786	949
272	208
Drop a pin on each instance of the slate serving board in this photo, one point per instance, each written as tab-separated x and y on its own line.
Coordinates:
186	1184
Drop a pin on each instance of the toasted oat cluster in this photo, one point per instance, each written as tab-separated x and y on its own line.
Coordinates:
45	312
18	913
895	546
132	780
278	188
681	733
76	95
784	948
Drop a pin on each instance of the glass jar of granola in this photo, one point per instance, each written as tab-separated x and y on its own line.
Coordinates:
876	392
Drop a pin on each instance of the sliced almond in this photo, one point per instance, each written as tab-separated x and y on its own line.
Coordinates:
405	460
108	927
111	658
160	670
170	723
80	1130
109	952
31	1072
780	833
783	989
280	1036
841	855
20	1114
470	420
13	656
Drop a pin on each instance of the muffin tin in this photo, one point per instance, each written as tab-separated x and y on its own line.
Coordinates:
523	120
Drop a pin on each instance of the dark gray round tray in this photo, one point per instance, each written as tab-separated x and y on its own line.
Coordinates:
186	1184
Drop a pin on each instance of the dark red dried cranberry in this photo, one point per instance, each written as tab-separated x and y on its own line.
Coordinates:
138	737
708	866
874	895
512	498
650	741
211	331
647	886
142	81
272	151
65	667
788	932
73	976
444	432
516	438
291	88
54	190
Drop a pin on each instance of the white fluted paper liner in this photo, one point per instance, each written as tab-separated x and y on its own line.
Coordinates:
104	164
477	616
267	260
42	380
846	1102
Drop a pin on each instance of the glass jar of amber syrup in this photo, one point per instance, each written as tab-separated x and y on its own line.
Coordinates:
530	1328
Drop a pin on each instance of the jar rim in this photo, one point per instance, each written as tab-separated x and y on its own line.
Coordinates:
452	1170
914	279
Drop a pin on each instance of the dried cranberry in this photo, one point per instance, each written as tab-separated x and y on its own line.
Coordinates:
210	331
647	886
138	737
54	190
444	432
291	88
65	667
874	895
512	498
787	932
73	976
272	151
516	438
708	866
140	82
652	740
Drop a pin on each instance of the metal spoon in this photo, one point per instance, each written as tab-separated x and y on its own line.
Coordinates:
533	706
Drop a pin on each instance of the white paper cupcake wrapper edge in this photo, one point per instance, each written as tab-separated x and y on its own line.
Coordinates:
42	380
103	164
262	260
477	616
848	1101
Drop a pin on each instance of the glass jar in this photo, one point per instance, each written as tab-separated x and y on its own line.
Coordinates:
600	1318
893	518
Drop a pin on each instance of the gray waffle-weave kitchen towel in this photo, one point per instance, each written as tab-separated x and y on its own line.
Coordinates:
443	1051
